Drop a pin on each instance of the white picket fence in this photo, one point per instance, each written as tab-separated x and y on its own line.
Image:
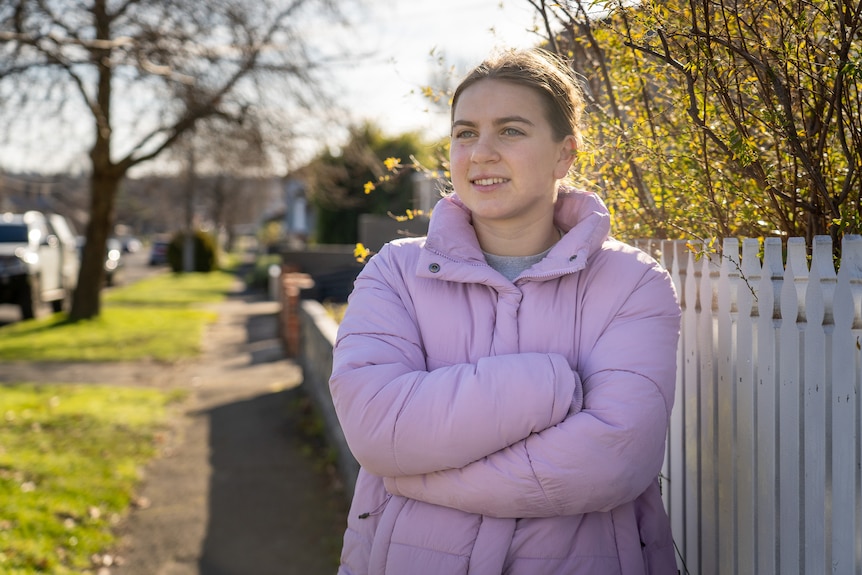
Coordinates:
762	474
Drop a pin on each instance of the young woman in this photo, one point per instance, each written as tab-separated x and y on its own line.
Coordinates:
506	382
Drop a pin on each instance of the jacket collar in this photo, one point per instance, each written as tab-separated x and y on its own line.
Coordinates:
582	216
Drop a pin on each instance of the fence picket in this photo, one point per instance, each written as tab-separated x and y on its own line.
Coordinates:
728	278
692	552
844	415
851	261
790	463
851	264
708	428
747	352
814	424
768	323
675	468
664	475
797	258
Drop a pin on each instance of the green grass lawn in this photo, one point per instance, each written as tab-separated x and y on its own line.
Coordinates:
71	455
69	463
159	318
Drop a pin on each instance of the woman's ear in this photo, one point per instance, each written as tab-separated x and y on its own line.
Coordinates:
568	150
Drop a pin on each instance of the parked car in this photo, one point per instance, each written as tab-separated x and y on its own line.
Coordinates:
71	263
113	258
130	244
39	261
159	252
113	261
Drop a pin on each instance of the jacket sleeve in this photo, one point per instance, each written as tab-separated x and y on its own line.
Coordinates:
598	458
400	419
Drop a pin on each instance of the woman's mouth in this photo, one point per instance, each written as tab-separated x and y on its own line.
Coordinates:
489	181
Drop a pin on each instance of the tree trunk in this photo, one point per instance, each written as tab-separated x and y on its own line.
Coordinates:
103	192
189	238
104	181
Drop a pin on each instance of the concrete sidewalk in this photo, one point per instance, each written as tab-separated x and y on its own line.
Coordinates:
240	487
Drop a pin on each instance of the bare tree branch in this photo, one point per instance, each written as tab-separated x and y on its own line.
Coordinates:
168	66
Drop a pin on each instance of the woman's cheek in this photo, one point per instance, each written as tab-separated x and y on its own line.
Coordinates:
458	157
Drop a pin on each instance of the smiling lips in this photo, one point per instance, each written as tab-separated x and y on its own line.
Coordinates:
489	181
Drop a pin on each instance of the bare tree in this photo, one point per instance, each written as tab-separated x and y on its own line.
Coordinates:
144	73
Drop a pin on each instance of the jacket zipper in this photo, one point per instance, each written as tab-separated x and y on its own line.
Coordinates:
377	510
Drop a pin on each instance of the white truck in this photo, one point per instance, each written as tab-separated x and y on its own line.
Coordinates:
39	261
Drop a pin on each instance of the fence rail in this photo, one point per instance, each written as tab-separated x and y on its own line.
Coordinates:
762	472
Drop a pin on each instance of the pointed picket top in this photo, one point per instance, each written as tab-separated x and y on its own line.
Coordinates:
728	276
675	271
730	254
797	259
790	309
851	264
645	245
842	301
851	255
653	248
771	278
797	255
773	260
692	301
822	261
821	257
815	299
668	255
681	252
673	258
750	266
750	272
708	296
768	299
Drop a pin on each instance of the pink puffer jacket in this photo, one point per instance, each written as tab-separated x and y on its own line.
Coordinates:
504	427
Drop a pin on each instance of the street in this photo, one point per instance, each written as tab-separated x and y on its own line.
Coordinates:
135	268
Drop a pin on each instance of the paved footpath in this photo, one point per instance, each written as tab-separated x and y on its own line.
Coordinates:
238	489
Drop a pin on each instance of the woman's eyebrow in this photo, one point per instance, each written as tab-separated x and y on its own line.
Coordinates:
510	119
463	123
498	121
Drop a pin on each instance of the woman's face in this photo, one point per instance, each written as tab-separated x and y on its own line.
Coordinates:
504	162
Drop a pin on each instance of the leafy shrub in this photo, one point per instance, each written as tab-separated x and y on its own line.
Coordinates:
205	252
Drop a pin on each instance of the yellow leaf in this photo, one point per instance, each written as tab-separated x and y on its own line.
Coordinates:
361	253
368	187
392	163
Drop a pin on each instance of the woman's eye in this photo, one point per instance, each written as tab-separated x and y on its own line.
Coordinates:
465	134
512	132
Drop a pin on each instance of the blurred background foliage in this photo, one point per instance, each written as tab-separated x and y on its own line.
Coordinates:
719	119
337	180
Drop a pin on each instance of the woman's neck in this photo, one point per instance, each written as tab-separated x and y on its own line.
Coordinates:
501	240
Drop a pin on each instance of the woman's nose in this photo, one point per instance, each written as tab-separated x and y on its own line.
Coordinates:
484	150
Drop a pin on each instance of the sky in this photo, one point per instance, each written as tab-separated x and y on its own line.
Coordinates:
405	42
409	38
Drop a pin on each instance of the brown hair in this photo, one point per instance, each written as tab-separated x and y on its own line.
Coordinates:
543	72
